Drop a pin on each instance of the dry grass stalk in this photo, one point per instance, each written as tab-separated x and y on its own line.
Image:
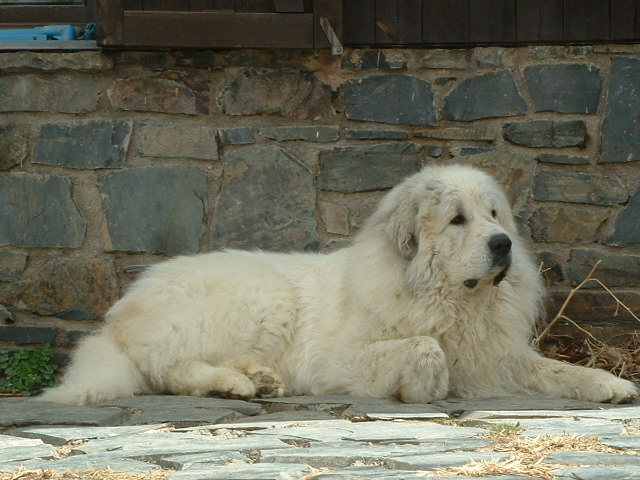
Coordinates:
95	474
622	360
527	456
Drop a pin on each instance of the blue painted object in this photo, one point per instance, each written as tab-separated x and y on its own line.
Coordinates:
50	32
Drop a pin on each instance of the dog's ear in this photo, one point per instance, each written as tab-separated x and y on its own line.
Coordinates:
401	230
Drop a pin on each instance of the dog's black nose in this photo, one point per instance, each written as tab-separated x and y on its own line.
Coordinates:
500	244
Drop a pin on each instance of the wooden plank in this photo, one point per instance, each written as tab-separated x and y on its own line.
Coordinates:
289	6
132	4
625	20
109	22
399	22
218	30
539	21
264	6
34	15
586	20
492	21
332	11
445	22
359	22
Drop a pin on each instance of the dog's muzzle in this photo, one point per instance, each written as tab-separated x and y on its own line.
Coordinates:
500	249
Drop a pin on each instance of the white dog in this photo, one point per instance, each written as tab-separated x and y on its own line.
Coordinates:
436	296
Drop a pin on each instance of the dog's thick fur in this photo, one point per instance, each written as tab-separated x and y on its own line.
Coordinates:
436	296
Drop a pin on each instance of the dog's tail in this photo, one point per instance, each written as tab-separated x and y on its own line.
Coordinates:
99	371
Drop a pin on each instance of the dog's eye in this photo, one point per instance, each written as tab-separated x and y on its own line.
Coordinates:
458	220
494	214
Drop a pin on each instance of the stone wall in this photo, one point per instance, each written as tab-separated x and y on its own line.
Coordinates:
113	161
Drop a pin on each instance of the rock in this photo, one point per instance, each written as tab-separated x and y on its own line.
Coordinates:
597	473
287	93
551	268
335	217
370	59
236	136
154	209
514	171
62	93
84	61
370	134
620	127
170	140
565	88
5	315
591	458
444	460
596	307
74	289
83	144
484	96
482	134
546	133
361	169
557	186
267	200
626	232
61	435
567	224
616	270
28	335
316	134
562	159
14	140
38	211
12	264
396	99
167	92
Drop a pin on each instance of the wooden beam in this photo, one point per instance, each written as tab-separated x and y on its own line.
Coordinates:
109	22
218	30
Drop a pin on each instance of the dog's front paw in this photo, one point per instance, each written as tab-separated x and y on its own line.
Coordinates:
604	387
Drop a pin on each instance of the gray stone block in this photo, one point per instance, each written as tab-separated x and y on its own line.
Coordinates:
69	288
593	458
598	473
83	144
616	270
20	454
360	169
624	442
565	88
439	58
14	140
560	186
62	93
546	133
626	232
444	460
484	96
12	264
236	136
154	209
567	224
551	268
27	411
167	92
92	462
562	159
284	92
171	140
316	134
28	335
620	128
38	211
267	200
482	134
61	435
377	134
396	99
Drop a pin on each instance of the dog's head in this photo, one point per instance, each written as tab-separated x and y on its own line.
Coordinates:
450	225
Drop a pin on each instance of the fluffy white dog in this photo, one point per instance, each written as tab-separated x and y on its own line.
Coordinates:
436	296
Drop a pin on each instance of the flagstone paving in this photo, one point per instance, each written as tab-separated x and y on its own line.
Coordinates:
329	437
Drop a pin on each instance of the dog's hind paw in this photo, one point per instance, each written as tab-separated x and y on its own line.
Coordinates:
268	384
